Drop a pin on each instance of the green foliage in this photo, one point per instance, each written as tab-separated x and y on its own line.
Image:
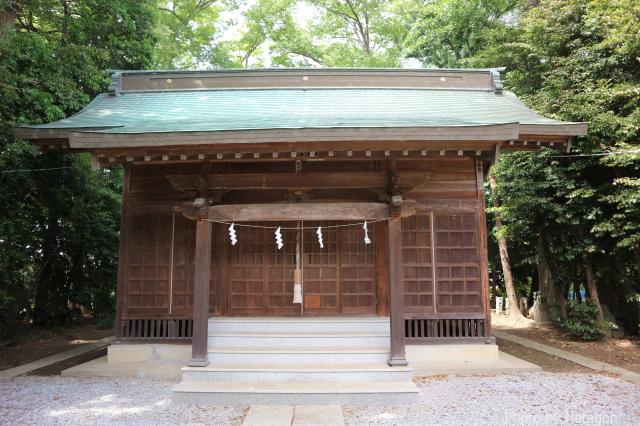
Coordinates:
448	32
185	31
8	314
59	220
106	323
582	322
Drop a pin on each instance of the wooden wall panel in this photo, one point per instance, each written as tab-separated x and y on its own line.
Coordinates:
447	178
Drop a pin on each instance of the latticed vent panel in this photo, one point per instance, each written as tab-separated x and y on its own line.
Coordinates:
156	329
417	263
458	264
444	328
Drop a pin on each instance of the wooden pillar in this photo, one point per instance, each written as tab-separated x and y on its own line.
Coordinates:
121	291
396	296
201	295
483	249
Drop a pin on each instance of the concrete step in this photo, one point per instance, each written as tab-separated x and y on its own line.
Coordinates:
297	339
243	394
297	373
287	355
315	324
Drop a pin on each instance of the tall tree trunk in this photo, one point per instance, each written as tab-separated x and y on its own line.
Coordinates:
550	293
591	287
7	17
513	310
636	260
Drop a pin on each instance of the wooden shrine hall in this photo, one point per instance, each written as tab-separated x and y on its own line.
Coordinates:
217	162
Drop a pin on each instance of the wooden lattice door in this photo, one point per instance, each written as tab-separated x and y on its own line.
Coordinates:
262	276
358	291
320	273
417	264
458	263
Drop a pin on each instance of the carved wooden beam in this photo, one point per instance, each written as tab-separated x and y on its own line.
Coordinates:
297	181
298	211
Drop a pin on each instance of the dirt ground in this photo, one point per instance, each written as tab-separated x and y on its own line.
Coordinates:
623	353
39	343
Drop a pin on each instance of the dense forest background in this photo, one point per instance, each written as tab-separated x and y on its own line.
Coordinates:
562	223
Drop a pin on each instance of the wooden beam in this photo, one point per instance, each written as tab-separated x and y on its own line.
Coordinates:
201	295
396	296
303	180
298	211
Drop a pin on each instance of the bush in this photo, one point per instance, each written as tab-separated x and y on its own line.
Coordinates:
582	322
105	323
8	314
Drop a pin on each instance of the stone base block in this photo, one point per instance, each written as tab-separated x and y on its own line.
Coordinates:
452	353
148	352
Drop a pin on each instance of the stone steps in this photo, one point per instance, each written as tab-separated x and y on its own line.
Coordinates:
297	373
298	339
248	393
309	354
276	324
296	361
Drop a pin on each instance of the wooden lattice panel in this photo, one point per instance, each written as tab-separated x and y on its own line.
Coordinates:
262	275
321	281
279	272
148	264
184	243
357	271
458	263
417	263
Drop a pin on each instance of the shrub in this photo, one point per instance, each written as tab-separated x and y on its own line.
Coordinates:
582	322
105	323
8	314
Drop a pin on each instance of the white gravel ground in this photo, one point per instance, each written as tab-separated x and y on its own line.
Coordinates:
58	400
528	399
524	399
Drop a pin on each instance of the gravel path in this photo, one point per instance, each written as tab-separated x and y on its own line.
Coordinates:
58	400
525	399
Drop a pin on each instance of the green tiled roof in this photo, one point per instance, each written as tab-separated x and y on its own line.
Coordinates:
295	108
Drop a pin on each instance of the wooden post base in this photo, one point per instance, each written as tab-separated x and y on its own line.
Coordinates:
198	362
397	361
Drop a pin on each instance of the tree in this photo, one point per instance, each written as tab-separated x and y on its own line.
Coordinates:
577	60
59	219
447	32
186	31
513	310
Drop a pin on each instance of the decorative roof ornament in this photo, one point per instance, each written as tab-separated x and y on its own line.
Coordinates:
114	86
497	80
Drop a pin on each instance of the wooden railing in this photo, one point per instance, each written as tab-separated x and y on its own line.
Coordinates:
155	329
429	328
